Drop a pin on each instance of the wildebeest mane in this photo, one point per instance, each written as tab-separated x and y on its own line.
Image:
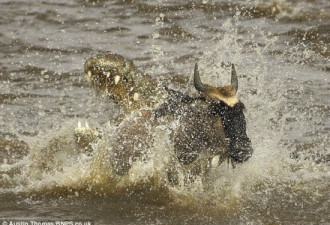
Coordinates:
174	104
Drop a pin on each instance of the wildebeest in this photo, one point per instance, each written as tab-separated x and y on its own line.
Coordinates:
208	125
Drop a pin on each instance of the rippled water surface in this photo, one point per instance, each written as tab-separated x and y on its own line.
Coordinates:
281	52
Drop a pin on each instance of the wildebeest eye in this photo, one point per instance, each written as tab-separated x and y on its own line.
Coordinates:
218	107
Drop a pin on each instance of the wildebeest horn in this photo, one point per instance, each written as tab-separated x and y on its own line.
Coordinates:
197	81
234	80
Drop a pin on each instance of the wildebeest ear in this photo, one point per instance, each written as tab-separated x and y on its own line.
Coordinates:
161	110
234	80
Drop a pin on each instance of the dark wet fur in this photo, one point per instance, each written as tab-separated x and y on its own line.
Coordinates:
174	103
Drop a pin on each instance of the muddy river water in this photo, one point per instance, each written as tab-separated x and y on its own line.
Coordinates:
282	57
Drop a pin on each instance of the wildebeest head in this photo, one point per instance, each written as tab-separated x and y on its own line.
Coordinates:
213	123
225	104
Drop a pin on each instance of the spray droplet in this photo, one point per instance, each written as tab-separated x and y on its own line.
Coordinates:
136	96
117	79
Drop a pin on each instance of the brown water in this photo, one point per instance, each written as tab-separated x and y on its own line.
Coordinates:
281	51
